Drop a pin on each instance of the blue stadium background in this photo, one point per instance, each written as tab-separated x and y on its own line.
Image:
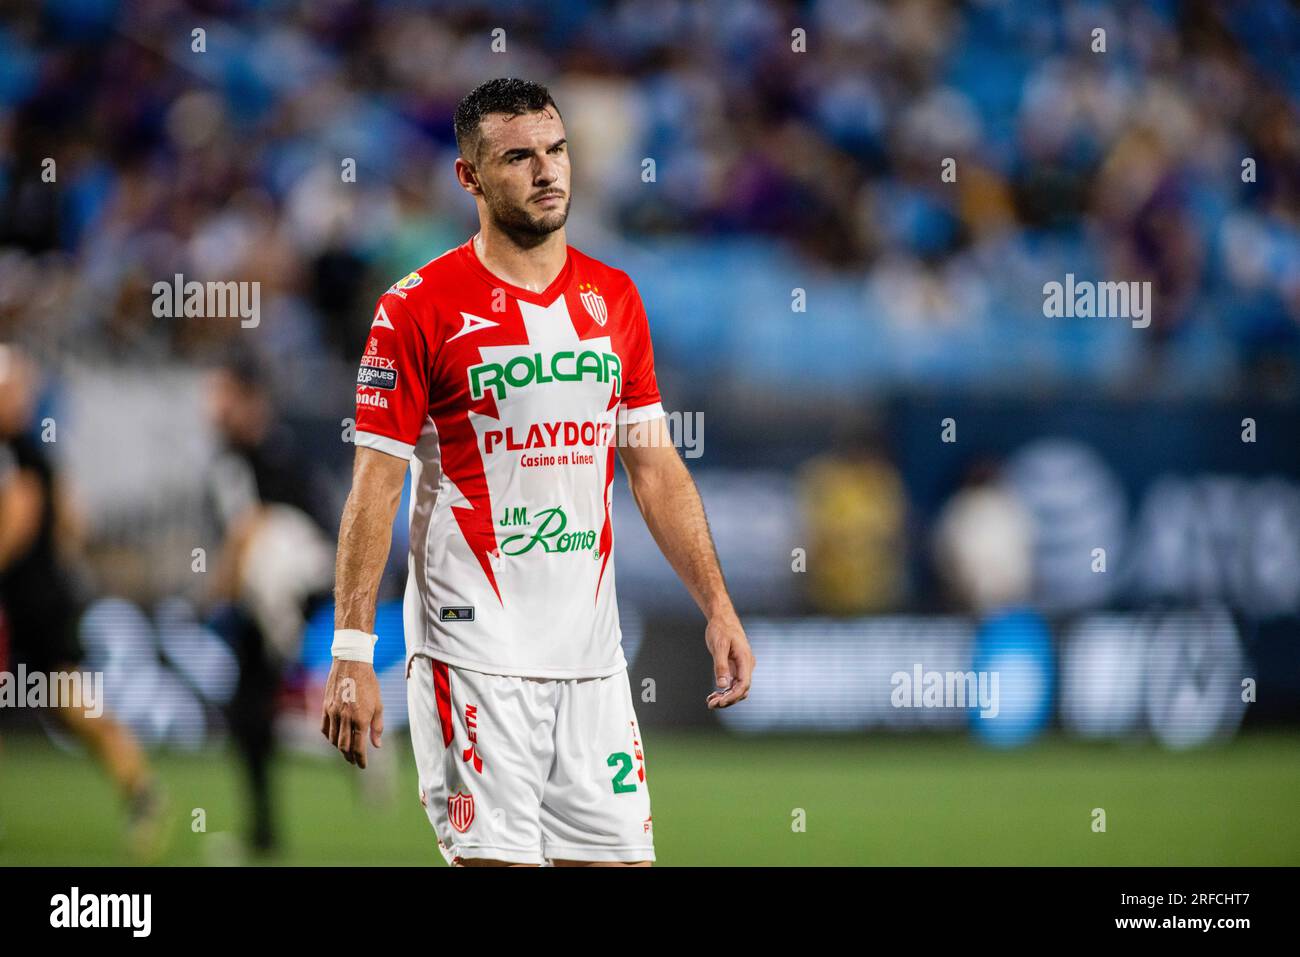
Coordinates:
780	176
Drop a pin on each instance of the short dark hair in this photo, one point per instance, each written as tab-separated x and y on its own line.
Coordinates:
502	95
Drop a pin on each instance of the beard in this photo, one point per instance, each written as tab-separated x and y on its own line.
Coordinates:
526	228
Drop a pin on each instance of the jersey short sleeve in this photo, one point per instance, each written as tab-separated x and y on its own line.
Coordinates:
392	381
640	400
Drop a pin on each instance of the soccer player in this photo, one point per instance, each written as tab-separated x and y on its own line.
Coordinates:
503	372
43	608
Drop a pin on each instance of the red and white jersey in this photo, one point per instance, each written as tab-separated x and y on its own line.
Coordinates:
506	402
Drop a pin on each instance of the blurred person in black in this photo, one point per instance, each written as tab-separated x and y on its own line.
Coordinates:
40	600
275	564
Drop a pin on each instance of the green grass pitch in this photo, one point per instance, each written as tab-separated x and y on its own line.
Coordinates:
722	799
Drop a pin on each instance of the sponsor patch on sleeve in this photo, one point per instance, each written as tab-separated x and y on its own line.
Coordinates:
369	377
410	282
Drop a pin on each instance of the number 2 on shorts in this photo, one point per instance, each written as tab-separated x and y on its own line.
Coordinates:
623	761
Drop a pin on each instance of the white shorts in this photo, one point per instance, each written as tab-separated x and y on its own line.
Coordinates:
529	770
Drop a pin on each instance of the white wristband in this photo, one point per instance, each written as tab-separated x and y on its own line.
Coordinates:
351	644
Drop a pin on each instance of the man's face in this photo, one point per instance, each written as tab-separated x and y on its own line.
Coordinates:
522	170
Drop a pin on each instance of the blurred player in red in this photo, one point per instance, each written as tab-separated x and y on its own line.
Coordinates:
41	606
506	374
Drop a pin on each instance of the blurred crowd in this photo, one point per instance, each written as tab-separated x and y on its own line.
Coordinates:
725	154
817	127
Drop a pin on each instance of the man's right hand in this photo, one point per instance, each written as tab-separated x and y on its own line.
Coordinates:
352	707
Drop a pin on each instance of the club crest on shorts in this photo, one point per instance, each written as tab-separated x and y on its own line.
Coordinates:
460	809
593	302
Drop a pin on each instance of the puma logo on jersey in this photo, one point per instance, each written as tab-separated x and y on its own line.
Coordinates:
473	324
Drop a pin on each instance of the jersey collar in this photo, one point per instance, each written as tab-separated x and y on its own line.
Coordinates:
543	298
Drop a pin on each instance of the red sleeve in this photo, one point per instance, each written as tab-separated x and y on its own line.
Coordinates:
392	381
640	399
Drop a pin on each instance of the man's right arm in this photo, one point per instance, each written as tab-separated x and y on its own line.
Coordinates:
365	535
352	707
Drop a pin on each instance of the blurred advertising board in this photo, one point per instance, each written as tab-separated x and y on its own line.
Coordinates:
1183	676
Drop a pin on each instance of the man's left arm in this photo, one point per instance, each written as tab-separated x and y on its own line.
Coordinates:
666	495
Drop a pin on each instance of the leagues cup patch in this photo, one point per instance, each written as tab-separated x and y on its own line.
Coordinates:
376	372
372	378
